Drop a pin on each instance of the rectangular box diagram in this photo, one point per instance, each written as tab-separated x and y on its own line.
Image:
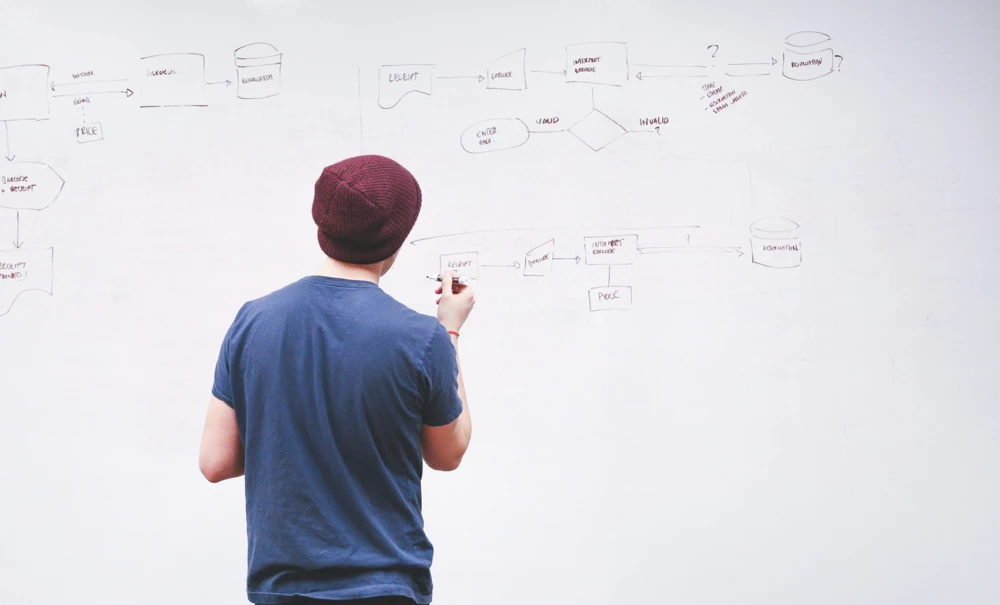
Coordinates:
89	133
507	72
397	81
610	298
21	271
603	63
538	262
463	264
24	93
611	250
175	80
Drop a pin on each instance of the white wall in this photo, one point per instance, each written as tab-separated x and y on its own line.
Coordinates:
741	433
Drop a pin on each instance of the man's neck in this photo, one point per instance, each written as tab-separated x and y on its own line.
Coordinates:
335	268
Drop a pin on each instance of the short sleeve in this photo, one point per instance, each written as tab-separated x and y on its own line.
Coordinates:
222	385
443	405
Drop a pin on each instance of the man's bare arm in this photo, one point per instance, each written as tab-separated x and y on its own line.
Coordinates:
221	455
445	446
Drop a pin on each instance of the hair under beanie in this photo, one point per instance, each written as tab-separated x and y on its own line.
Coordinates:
365	207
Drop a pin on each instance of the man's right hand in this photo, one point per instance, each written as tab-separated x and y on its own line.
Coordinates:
454	302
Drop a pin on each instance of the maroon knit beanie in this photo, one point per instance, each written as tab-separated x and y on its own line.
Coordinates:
364	208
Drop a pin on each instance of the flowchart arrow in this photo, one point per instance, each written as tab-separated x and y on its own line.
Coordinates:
555	73
6	138
657	68
514	265
641	76
670	66
773	62
93	87
228	83
666	249
17	238
576	259
756	73
479	78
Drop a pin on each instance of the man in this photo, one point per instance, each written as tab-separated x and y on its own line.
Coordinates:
329	395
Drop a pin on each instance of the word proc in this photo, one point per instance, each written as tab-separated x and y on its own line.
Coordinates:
610	298
88	133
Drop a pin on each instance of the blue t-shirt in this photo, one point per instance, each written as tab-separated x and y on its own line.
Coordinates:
331	380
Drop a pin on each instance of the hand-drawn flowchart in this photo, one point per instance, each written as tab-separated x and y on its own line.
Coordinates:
774	243
27	94
807	55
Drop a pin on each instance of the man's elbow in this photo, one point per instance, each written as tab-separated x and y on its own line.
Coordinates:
212	472
216	470
445	463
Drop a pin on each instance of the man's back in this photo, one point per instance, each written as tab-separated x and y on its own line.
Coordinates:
331	381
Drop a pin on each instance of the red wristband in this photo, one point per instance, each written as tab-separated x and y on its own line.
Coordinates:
454	332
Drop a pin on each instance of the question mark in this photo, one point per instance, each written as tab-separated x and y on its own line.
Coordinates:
716	49
657	130
688	239
839	62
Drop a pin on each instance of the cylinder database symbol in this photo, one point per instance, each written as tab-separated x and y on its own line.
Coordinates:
258	71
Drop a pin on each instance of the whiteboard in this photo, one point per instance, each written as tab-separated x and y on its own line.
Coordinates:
736	272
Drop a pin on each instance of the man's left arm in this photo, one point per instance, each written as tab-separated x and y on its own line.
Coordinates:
221	455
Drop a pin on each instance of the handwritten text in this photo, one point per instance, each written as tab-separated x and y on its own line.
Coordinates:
534	261
264	78
607	246
653	121
404	77
586	68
